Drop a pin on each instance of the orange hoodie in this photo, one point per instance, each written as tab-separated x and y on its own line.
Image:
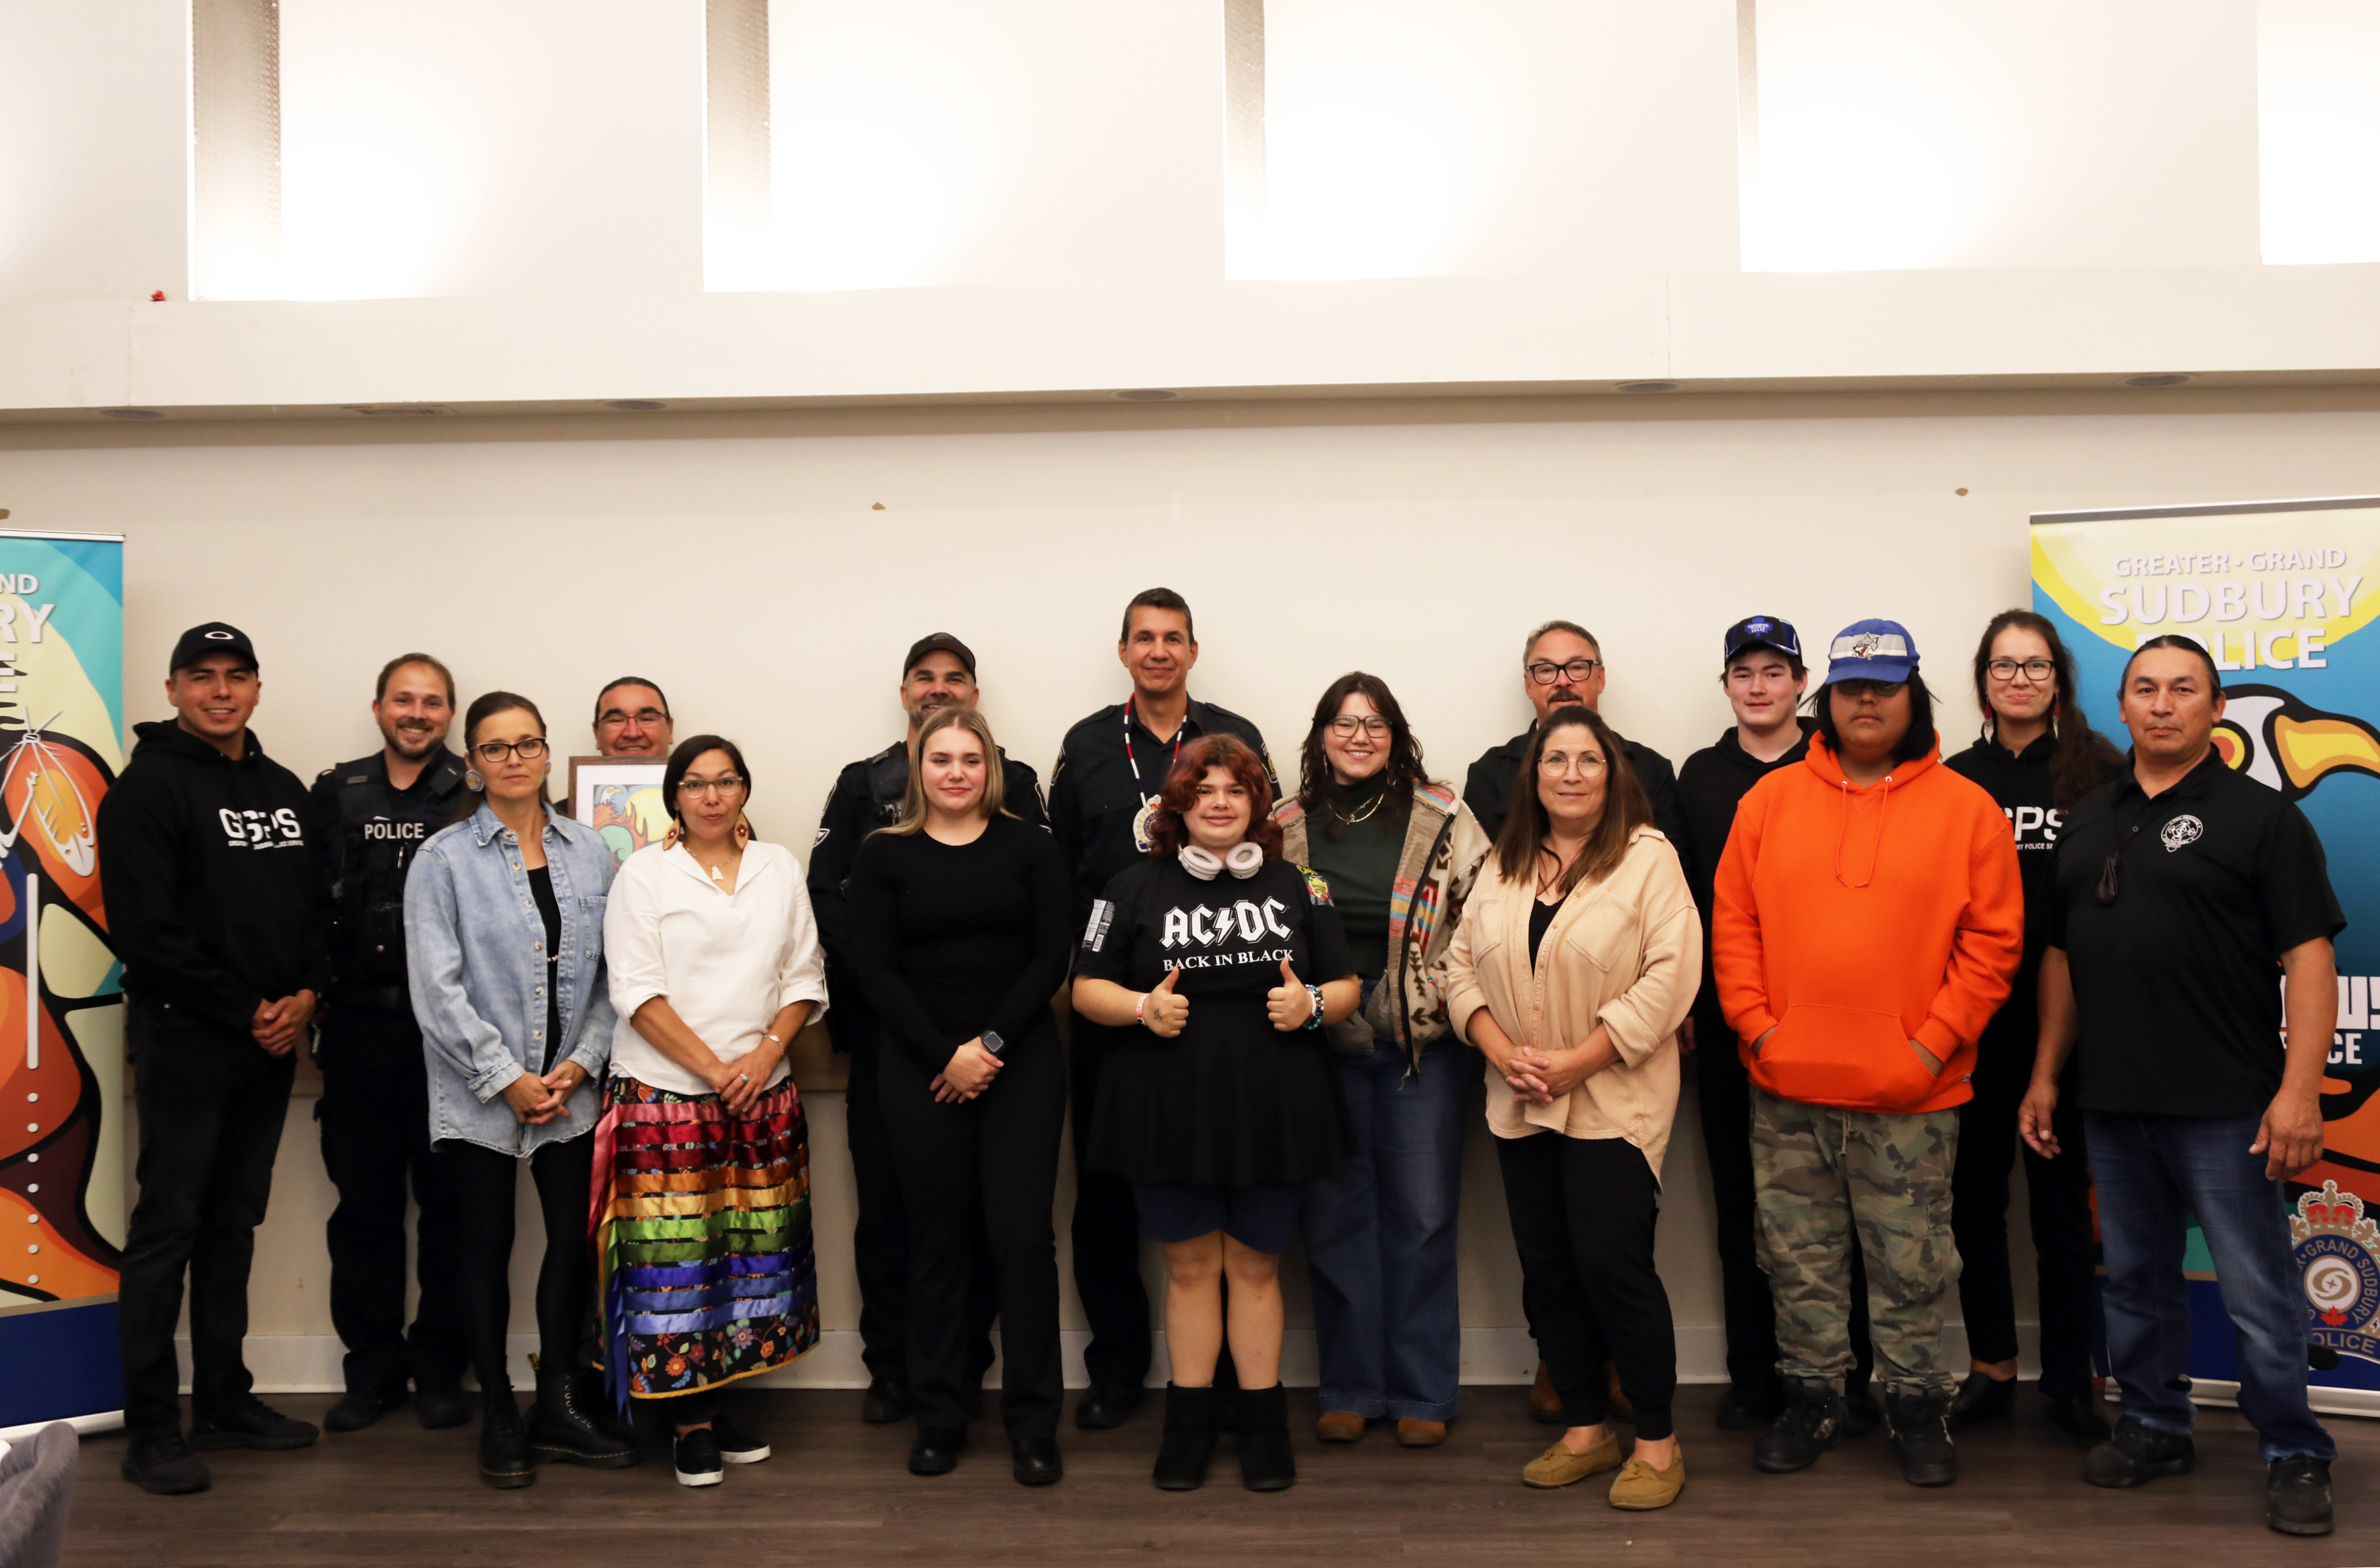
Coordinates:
1854	920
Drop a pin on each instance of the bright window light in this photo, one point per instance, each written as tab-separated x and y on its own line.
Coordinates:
448	148
2318	114
1999	133
1409	138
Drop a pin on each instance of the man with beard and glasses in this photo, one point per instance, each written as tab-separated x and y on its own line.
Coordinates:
938	673
370	816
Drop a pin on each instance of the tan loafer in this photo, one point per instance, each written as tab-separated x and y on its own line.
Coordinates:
1558	1466
1420	1434
1338	1425
1640	1486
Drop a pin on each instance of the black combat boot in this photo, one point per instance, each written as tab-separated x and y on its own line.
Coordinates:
503	1441
564	1426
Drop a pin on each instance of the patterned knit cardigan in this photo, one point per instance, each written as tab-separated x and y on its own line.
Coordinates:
1444	849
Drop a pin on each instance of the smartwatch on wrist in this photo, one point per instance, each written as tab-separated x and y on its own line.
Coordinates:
991	1041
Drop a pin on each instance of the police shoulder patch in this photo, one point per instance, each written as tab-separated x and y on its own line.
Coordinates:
1317	890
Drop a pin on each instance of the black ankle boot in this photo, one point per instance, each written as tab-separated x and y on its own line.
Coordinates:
503	1441
1921	1435
1189	1440
564	1425
1267	1463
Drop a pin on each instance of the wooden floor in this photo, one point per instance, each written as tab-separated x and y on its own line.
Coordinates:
836	1493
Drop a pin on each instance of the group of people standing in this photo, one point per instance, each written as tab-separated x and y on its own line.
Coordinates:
1890	971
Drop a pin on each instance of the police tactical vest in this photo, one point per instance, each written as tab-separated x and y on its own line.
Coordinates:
379	831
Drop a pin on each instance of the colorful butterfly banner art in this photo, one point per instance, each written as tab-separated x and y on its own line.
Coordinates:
62	1129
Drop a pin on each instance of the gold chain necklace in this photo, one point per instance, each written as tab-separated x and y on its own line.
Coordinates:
1362	816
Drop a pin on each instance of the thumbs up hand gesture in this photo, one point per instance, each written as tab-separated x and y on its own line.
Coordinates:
1163	1012
1289	1004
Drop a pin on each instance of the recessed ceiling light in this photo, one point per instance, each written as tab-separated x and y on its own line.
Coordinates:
2165	379
636	405
397	410
132	413
1647	386
1147	394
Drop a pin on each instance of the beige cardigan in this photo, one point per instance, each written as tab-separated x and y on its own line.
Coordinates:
1626	952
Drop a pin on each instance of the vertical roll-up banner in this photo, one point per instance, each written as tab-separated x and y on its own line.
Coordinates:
2282	593
61	993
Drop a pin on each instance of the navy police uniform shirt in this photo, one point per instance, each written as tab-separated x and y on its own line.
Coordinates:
2177	981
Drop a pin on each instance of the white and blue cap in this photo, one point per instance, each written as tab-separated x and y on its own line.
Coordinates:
1872	650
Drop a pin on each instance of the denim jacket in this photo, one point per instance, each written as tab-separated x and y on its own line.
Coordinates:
475	954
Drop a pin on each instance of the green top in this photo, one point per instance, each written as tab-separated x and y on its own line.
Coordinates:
1360	864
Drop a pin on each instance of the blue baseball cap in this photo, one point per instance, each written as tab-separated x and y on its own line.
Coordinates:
1761	631
1872	650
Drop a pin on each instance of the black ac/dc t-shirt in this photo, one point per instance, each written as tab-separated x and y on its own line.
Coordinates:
1231	1101
2178	981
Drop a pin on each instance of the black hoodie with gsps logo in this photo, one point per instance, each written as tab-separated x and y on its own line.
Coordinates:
215	900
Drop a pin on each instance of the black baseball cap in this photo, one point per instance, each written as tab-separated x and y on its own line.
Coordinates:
1762	631
206	641
939	642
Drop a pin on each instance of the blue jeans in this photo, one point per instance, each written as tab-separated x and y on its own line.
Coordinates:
1379	1239
2152	1173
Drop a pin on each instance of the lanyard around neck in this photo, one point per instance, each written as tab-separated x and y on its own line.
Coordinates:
1137	787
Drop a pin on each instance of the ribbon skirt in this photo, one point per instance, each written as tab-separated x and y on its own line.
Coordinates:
701	1227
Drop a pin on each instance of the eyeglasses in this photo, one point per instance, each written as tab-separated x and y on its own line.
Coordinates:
528	750
727	784
613	718
1345	725
1546	672
1588	764
1869	691
2035	669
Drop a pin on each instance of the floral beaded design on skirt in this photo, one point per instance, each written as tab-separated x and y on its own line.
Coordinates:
702	1224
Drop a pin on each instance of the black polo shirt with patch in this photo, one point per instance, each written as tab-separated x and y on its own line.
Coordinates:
2178	981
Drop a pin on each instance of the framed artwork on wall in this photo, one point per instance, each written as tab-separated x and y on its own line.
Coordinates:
621	798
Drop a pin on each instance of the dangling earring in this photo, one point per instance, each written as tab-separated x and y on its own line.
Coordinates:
743	831
669	838
473	782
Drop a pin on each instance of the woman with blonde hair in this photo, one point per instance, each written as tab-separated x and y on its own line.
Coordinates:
961	921
1574	965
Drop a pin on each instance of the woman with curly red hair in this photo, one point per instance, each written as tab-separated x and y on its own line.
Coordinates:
1220	963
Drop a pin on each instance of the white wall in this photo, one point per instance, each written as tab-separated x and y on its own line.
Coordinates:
741	562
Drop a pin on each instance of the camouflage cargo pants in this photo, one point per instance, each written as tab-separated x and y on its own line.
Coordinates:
1828	1179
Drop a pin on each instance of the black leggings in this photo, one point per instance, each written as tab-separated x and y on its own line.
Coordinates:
995	1156
1583	1211
484	1183
2058	1204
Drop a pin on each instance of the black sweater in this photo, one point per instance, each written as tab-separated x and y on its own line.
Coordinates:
2019	784
215	900
951	939
1712	783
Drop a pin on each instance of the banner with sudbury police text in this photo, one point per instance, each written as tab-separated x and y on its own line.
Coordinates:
61	993
2282	593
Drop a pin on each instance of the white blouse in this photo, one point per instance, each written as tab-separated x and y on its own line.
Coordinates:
728	962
